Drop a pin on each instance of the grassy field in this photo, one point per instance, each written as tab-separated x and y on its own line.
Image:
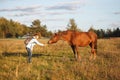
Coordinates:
56	61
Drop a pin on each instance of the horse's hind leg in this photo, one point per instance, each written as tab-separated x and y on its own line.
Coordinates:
93	52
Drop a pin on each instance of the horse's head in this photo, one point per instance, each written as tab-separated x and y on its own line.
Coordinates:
64	35
54	38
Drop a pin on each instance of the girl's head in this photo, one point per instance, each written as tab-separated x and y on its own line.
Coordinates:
36	36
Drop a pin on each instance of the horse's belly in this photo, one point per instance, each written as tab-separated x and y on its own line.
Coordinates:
81	40
82	43
85	43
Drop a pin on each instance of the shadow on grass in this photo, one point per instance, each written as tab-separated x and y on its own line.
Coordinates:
6	54
13	54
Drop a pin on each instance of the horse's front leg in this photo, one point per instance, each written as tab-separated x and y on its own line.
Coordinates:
73	48
78	55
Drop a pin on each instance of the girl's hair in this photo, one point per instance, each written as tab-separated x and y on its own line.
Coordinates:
36	34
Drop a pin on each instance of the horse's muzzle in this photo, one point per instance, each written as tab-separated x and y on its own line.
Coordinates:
49	42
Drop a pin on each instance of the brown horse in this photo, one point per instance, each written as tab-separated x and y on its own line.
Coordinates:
77	39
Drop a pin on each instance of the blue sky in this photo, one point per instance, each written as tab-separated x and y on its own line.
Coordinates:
101	14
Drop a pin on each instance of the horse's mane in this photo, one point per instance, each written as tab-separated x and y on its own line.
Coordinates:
67	31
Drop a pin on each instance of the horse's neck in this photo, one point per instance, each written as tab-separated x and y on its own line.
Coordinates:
66	37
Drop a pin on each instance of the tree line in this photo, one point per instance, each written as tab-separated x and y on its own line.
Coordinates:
100	32
108	33
13	29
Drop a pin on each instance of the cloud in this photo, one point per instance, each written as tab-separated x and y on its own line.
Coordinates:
26	14
54	19
74	5
53	13
25	9
48	10
42	13
117	13
62	7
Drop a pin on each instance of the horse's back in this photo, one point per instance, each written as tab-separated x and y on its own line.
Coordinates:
81	38
85	35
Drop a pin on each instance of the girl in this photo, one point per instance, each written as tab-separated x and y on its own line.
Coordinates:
31	44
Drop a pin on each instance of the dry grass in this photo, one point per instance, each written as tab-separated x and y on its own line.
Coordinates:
56	62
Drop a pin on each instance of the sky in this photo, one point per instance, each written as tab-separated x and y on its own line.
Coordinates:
56	14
